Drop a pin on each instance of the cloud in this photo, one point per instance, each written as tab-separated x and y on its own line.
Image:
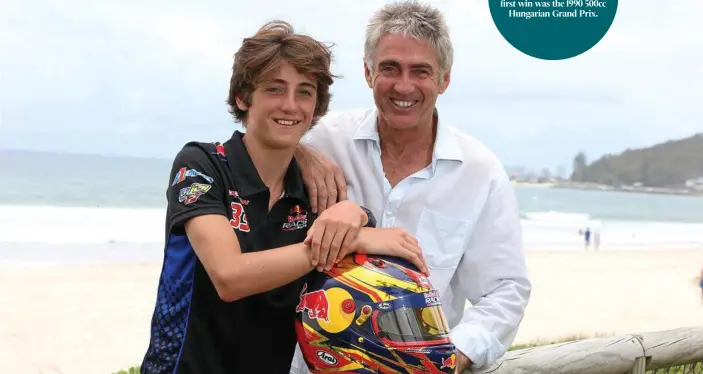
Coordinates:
155	74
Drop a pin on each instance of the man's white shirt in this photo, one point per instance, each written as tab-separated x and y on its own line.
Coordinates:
462	210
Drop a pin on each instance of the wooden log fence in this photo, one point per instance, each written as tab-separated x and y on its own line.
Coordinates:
674	351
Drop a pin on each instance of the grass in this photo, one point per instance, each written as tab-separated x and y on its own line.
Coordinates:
132	370
684	369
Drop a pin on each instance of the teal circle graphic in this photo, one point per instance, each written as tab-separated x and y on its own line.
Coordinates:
553	29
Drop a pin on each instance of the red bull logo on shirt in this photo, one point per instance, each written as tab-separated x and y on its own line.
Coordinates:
219	152
315	303
297	219
235	195
220	149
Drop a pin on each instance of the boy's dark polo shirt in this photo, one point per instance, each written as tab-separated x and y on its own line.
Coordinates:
192	329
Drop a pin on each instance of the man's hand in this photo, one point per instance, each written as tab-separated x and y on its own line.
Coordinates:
334	231
462	362
322	177
391	241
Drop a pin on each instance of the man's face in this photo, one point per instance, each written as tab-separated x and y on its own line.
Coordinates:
282	108
405	80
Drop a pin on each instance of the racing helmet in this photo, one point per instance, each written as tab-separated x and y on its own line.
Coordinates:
373	314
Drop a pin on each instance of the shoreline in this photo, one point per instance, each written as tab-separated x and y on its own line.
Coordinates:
94	317
545	222
577	186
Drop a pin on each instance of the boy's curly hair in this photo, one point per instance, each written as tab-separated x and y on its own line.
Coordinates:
261	54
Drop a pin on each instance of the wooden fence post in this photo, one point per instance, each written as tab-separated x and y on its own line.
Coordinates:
640	365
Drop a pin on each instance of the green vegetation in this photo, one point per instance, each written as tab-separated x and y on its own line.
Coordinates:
132	370
668	164
683	369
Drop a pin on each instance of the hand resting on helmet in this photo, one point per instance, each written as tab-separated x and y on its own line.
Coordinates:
392	241
333	231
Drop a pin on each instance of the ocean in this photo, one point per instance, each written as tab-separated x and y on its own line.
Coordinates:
82	200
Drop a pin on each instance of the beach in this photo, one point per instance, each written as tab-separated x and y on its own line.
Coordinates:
90	316
611	293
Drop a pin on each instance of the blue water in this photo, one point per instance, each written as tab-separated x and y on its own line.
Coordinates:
78	180
611	205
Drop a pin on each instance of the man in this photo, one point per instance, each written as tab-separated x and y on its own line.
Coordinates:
415	171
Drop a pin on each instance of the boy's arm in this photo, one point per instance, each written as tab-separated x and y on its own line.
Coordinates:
197	208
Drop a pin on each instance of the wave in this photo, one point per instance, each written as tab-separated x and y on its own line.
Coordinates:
557	216
101	225
566	230
81	225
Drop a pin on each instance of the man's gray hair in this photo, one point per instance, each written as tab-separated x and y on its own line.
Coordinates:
411	19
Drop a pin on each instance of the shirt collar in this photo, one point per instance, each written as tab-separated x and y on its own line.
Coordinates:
446	146
247	178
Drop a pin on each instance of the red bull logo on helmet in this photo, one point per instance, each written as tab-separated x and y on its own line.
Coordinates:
449	362
315	303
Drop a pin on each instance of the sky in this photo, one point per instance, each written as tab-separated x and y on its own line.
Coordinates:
142	77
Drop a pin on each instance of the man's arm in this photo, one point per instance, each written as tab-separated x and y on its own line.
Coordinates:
321	152
494	274
323	178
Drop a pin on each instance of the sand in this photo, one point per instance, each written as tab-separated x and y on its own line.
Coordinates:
94	319
610	293
75	319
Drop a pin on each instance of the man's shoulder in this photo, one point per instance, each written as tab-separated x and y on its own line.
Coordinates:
336	130
344	120
473	150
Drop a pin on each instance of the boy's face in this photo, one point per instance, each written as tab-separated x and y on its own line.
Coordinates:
282	108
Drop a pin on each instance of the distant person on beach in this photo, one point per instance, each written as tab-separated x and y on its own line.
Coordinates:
596	239
412	169
700	283
587	237
240	234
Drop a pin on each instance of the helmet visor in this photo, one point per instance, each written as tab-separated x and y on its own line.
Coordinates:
409	324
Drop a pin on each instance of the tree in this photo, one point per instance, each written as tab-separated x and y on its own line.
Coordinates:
667	164
545	175
579	168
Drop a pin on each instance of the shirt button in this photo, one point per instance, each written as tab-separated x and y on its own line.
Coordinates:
389	214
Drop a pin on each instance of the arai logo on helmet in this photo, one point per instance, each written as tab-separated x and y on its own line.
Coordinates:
384	305
326	358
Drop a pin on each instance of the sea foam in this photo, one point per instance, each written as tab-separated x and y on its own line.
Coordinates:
540	230
81	225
